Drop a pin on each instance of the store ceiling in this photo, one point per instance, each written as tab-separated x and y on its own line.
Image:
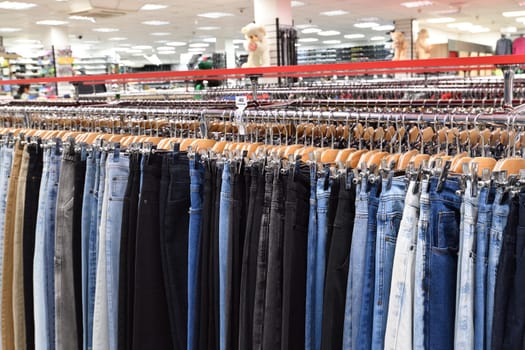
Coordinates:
183	22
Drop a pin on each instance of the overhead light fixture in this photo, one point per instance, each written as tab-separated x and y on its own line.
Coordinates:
509	30
161	41
334	13
354	36
141	47
366	25
160	34
93	42
28	41
460	25
196	49
124	44
441	20
238	41
304	26
297	3
105	30
377	38
308	40
134	50
520	20
120	49
513	14
138	54
311	30
118	38
208	28
176	43
165	48
478	29
215	15
51	22
155	23
83	18
9	30
415	4
152	7
332	42
199	45
166	52
329	33
15	5
384	27
210	40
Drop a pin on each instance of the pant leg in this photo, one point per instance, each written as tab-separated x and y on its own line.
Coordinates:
310	263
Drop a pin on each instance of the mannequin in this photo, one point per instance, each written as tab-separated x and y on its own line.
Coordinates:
422	46
400	46
503	46
518	46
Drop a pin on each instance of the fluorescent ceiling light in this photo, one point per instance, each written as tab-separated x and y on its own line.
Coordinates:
15	5
377	38
334	13
441	20
513	14
210	40
165	48
366	25
160	34
199	45
384	27
152	7
332	42
138	55
460	25
208	28
238	41
215	15
93	41
133	50
414	4
166	52
83	18
141	47
9	30
478	29
196	49
118	38
308	40
509	29
311	30
121	49
329	33
354	36
155	23
105	30
304	26
161	41
176	43
124	44
297	3
51	22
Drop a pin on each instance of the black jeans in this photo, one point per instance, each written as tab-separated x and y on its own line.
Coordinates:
127	254
505	278
297	205
150	312
337	267
249	254
34	175
174	226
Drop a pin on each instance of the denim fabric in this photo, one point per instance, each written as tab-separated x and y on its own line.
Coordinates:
500	213
224	227
389	214
87	207
486	199
364	336
398	333
197	177
465	288
421	268
310	263
443	244
356	270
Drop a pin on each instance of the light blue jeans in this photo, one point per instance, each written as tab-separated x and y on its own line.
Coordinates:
354	288
310	263
500	215
465	287
224	228
398	334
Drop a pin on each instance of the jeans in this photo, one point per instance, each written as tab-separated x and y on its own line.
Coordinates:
465	289
398	333
196	188
224	227
390	212
356	269
500	214
364	337
310	263
486	200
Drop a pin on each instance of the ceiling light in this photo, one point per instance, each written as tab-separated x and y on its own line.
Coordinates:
138	54
297	45
208	28
196	49
160	34
377	38
166	52
105	30
161	41
520	20
332	42
366	25
329	33
124	44
210	40
311	30
165	48
28	41
83	18
134	50
354	36
384	27
199	45
9	30
440	20
304	26
152	7
215	15
121	49
513	14
414	4
334	13
14	5
118	38
176	43
368	19
308	40
155	23
478	29
51	22
238	41
509	29
460	25
141	47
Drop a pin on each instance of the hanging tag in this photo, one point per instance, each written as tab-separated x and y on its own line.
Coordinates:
474	178
443	176
241	102
203	126
116	151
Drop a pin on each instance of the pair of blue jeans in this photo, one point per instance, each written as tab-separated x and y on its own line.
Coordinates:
356	269
196	197
389	214
310	263
224	228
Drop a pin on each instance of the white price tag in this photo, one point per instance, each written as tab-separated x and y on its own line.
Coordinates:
241	102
